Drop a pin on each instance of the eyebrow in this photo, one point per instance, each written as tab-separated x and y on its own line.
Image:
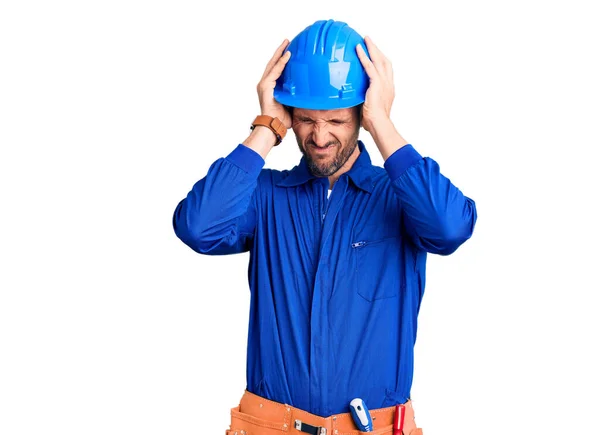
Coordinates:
304	118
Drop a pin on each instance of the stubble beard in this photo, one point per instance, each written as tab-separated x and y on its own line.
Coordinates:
329	168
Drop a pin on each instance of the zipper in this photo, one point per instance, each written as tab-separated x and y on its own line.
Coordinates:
362	243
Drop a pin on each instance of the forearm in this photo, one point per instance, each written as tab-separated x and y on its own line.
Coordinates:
262	140
441	217
387	138
217	201
437	216
215	213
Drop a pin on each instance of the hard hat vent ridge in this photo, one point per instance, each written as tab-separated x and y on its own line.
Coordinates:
324	72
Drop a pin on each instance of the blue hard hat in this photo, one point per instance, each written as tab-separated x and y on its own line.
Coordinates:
324	71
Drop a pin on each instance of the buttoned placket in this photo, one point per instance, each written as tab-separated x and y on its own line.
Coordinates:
319	324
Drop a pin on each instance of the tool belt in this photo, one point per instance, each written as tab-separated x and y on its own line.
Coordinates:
256	415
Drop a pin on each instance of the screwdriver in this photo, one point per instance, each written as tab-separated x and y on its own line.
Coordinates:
399	419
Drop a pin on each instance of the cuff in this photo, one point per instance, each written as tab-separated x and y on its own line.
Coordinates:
401	160
246	159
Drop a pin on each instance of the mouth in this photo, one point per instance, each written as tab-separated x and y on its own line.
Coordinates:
322	150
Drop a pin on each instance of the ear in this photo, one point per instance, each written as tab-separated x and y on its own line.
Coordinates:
289	110
359	112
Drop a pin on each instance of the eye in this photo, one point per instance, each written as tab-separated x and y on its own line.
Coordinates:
337	122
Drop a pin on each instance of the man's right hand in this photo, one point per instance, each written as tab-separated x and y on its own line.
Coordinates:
266	86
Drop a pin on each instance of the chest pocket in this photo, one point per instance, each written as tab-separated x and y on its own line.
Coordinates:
377	261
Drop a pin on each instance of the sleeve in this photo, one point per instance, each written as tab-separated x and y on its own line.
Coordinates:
436	215
218	216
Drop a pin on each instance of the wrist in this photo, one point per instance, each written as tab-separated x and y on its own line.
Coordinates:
383	123
274	124
271	113
262	140
386	137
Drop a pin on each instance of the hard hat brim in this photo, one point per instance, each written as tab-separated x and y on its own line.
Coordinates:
313	103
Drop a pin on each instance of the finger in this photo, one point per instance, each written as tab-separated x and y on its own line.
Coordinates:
381	62
276	56
277	69
390	72
387	69
378	57
366	62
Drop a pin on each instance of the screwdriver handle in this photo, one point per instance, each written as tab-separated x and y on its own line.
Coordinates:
399	419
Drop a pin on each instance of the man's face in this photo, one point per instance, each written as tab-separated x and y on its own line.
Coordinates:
327	138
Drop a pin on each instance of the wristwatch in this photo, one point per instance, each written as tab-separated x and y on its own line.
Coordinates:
273	123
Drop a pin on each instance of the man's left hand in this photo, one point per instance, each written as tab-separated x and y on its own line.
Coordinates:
380	95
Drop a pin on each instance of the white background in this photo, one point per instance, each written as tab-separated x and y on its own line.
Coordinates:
109	113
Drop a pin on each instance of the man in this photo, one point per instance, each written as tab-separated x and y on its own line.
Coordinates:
337	245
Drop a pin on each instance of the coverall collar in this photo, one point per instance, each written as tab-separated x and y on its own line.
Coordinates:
360	172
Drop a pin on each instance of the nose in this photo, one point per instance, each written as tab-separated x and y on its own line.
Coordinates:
320	134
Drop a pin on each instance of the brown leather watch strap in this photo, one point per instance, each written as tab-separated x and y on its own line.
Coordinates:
272	123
